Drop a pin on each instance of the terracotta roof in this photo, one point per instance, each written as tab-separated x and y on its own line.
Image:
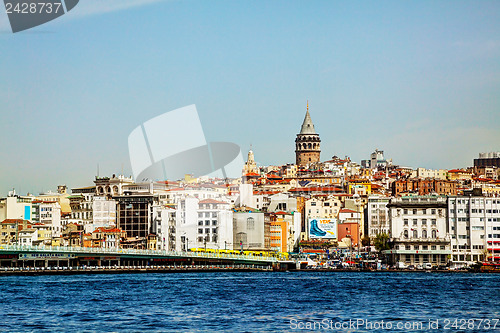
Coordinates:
212	201
6	221
252	174
345	210
104	229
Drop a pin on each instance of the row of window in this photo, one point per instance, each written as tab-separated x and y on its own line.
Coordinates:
474	211
207	214
423	247
207	230
475	201
207	238
208	206
207	222
465	247
424	211
415	234
423	221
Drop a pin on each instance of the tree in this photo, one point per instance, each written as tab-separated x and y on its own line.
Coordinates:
365	241
381	242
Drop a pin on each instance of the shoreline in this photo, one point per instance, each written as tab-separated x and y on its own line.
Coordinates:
197	269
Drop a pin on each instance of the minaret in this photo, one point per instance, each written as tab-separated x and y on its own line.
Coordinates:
307	143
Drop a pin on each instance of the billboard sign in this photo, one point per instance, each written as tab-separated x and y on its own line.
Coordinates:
323	228
55	256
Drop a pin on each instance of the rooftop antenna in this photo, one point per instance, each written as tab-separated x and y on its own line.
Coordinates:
97	170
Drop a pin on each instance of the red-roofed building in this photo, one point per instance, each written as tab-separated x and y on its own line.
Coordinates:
10	228
107	237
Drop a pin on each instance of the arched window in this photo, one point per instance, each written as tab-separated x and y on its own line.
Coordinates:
415	234
434	234
424	233
250	223
405	234
310	145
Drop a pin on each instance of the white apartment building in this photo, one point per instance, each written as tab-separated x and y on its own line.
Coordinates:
104	214
323	208
378	216
165	227
418	230
205	223
28	237
474	226
50	214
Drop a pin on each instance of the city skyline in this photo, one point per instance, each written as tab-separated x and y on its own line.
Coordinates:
417	80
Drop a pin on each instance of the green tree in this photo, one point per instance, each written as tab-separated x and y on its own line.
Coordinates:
381	242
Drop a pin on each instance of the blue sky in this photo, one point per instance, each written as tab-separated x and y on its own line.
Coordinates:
417	79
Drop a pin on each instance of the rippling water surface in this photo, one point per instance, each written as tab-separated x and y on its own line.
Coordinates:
236	302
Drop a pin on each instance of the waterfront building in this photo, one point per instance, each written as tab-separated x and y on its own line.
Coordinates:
165	219
28	237
44	233
205	223
378	216
108	238
10	228
348	234
474	226
249	230
278	234
49	213
419	232
72	234
134	216
103	212
307	143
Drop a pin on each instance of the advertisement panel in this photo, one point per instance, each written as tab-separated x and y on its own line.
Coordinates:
323	228
32	256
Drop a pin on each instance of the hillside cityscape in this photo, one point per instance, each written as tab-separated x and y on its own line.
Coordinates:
333	211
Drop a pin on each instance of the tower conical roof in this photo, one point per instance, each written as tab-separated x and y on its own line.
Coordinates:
307	125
